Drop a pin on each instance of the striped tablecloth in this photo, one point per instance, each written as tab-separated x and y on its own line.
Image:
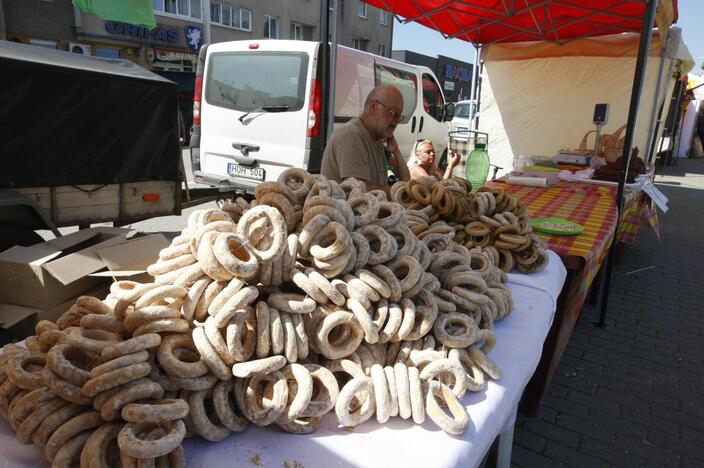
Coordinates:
592	206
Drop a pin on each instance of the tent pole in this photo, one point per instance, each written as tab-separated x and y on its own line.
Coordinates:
333	75
325	65
473	86
656	98
638	78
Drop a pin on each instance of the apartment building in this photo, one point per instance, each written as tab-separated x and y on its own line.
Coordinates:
173	45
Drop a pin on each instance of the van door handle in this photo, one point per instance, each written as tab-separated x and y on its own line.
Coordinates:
420	127
413	124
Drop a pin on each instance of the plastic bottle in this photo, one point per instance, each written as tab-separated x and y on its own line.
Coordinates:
477	168
519	164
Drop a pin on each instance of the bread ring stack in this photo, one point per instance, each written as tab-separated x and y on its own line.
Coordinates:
490	218
316	298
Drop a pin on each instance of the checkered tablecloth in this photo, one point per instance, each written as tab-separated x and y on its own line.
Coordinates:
592	206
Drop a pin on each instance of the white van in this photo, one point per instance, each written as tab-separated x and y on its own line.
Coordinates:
257	108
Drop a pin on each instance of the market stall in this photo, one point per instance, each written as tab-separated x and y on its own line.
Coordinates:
559	86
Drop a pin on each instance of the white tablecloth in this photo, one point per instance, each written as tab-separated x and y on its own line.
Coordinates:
397	443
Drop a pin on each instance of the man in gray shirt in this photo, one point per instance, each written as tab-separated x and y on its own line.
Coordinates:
357	149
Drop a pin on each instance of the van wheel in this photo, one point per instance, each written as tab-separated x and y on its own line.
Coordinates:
442	163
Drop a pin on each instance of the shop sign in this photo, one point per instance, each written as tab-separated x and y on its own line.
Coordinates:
166	55
457	73
158	33
194	37
449	86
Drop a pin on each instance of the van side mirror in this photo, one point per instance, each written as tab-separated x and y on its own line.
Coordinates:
449	111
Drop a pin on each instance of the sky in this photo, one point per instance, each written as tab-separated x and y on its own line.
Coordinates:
417	38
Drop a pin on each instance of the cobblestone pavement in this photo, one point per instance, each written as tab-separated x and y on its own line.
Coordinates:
633	393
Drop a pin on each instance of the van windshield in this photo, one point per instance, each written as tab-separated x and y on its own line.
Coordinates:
257	81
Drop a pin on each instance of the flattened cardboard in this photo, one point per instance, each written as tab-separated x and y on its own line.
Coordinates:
51	272
134	255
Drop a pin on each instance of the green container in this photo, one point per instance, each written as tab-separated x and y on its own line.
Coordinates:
477	167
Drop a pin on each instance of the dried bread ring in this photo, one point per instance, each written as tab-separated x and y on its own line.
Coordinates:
236	255
69	429
162	326
130	443
382	245
36	417
324	285
323	249
22	406
133	345
71	363
483	361
190	302
239	300
325	392
371	333
263	334
278	230
291	303
174	366
378	284
224	295
208	260
416	393
135	318
161	293
64	389
258	366
209	355
18	370
277	332
225	406
443	367
362	249
326	333
72	317
175	250
115	377
95	451
365	208
309	231
43	326
155	412
455	330
133	391
348	393
408	270
298	180
290	348
307	285
390	215
260	412
281	203
53	421
165	266
105	322
276	188
301	336
70	452
381	393
392	324
94	304
456	424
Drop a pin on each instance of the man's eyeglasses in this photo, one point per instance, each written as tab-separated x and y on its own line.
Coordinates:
397	116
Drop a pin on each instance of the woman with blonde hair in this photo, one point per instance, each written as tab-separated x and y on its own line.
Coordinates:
423	162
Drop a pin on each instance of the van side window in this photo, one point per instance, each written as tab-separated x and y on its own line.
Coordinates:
404	81
250	81
433	102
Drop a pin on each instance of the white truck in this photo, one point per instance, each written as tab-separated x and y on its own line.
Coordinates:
257	108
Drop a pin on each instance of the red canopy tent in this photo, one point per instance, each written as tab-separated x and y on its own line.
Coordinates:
483	22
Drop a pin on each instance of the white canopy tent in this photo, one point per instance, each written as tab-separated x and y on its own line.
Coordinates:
539	97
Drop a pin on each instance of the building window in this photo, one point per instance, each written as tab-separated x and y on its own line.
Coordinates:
107	52
362	9
296	31
359	44
384	17
271	27
185	8
382	49
231	16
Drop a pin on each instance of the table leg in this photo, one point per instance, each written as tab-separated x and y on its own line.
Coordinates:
505	446
554	345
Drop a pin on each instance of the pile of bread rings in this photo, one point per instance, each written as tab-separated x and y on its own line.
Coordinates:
489	218
315	298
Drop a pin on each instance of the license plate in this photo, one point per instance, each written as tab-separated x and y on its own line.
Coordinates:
247	172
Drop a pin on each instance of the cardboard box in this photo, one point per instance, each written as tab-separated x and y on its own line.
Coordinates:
17	322
49	273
